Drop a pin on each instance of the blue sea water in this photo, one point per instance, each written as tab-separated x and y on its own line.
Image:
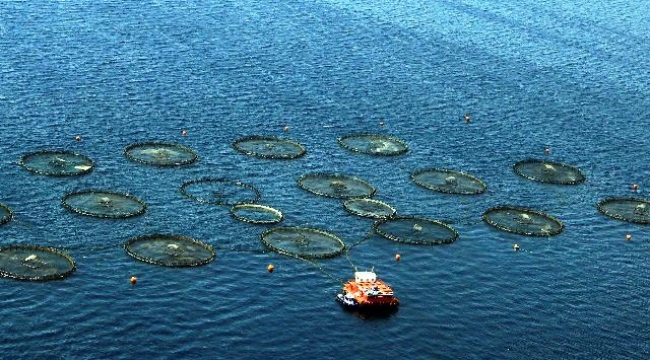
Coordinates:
571	76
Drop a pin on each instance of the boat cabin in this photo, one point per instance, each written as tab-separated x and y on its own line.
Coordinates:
365	276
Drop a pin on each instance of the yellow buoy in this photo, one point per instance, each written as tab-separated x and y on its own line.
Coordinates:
134	280
270	268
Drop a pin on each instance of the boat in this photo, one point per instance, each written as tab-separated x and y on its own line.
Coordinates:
367	292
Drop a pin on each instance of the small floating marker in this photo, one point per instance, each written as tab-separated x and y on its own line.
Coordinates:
134	280
467	118
270	268
77	137
628	237
381	123
286	128
547	151
515	247
417	227
184	133
635	187
398	257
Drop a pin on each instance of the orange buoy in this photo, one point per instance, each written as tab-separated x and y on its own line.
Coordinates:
184	133
270	268
77	137
398	257
628	237
635	187
515	247
134	280
286	128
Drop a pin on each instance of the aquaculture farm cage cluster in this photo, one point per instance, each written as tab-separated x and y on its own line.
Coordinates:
40	263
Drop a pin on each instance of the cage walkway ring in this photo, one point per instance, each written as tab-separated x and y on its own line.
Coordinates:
56	163
336	186
369	208
627	209
373	144
104	204
305	243
169	250
6	214
269	147
256	214
35	263
549	172
220	191
449	181
523	221
415	230
160	154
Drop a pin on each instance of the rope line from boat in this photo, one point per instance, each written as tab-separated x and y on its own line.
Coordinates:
365	238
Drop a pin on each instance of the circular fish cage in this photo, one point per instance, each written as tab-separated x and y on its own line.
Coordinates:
269	147
57	163
220	191
549	172
104	204
374	144
369	208
160	154
256	214
169	250
35	263
626	209
336	186
523	221
415	230
449	181
6	214
306	243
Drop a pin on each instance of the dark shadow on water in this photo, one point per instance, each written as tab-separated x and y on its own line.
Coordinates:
370	314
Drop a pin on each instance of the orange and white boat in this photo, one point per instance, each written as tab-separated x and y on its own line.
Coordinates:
366	291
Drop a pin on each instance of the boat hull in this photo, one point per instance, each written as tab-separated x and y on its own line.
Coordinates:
377	306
